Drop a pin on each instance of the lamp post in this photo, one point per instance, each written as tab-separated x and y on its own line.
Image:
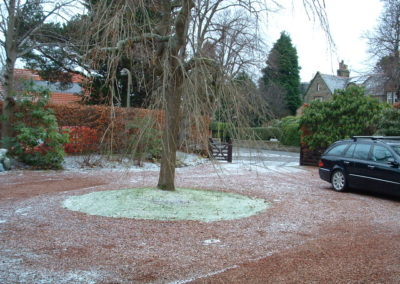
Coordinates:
124	72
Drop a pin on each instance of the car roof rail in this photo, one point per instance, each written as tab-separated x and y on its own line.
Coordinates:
376	137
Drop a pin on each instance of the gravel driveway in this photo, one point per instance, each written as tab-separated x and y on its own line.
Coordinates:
309	233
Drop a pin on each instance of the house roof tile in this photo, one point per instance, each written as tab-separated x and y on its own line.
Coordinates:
59	94
335	82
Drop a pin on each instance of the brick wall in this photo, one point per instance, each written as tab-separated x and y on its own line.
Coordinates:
309	157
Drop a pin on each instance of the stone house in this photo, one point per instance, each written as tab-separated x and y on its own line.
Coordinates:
323	86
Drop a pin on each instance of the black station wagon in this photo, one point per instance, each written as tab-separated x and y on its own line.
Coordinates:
364	162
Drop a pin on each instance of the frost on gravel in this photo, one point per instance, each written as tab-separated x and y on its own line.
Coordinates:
99	162
243	160
12	270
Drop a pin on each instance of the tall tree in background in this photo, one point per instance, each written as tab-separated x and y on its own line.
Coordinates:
58	62
21	23
281	79
384	44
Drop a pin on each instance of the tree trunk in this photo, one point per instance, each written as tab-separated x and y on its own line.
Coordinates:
9	101
174	74
11	58
170	139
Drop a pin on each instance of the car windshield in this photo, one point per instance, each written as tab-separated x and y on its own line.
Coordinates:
396	147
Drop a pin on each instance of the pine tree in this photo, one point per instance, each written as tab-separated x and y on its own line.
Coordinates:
282	72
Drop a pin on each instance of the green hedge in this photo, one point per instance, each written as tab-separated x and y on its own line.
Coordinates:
290	126
285	130
265	133
224	131
221	130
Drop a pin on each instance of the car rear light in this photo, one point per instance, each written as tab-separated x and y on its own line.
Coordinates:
320	164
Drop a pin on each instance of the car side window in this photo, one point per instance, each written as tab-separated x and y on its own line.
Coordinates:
380	154
396	148
361	151
337	150
349	152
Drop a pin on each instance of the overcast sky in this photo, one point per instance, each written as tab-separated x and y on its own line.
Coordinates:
348	20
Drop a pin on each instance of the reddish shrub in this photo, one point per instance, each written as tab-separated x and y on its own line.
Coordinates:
82	139
112	127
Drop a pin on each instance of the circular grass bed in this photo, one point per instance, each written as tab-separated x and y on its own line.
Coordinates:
155	204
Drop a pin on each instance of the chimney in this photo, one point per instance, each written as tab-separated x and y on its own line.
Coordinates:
343	71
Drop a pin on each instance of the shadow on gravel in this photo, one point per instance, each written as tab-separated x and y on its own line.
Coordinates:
389	197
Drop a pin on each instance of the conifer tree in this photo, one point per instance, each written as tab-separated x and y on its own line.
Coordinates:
282	73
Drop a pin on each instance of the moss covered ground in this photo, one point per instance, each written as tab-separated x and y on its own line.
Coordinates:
182	204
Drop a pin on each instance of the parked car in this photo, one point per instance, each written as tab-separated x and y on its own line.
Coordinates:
370	163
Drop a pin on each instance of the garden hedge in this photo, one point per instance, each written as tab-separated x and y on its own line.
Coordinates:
113	125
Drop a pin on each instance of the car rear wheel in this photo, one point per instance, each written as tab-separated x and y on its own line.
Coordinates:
338	181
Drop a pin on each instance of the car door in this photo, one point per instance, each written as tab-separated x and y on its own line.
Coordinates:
358	166
385	177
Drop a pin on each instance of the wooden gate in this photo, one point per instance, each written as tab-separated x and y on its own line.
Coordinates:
220	150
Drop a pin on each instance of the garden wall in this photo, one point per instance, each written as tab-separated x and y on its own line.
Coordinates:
309	157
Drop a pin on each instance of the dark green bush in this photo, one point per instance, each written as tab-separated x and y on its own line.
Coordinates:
349	113
389	122
290	131
37	141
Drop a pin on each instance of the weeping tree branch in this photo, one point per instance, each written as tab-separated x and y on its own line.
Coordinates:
137	39
187	81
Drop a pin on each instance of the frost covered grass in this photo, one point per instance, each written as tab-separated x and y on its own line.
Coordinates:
182	204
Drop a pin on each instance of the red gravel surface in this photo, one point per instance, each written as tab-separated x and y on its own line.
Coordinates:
310	234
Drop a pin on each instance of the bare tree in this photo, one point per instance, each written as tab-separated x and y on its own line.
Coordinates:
184	81
227	31
384	44
20	22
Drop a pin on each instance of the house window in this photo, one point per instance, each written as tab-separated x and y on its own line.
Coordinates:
391	97
320	99
318	87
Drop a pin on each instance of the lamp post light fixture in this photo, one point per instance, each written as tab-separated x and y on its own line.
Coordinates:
125	72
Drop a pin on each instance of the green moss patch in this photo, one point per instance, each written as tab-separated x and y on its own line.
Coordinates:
155	204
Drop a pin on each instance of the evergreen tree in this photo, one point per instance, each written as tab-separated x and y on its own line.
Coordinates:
58	61
282	72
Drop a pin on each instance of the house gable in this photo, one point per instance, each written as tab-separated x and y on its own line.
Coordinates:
323	86
318	90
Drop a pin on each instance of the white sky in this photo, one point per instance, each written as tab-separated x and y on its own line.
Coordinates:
348	20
